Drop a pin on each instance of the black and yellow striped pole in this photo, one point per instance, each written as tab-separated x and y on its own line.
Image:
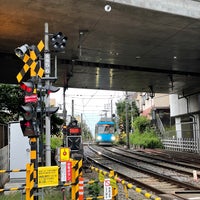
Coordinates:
76	173
29	181
33	158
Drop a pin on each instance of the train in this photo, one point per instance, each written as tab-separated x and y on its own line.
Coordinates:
104	132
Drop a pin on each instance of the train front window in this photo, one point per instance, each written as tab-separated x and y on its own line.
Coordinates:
106	129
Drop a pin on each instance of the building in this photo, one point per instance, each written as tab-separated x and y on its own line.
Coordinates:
157	109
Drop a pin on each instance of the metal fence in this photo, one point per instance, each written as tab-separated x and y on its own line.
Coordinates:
3	135
181	144
4	161
4	164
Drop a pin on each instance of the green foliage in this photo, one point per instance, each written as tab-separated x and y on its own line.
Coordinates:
143	135
86	133
122	138
141	124
55	142
94	190
49	194
146	140
132	112
11	97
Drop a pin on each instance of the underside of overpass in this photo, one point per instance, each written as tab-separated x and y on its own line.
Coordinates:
137	46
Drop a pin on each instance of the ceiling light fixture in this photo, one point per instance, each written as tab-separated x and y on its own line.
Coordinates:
107	8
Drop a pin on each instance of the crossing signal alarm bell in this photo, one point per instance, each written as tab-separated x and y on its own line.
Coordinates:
20	51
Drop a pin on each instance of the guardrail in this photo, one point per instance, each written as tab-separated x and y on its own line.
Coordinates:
126	184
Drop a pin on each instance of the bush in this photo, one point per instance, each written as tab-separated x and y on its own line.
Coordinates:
55	142
141	123
146	140
143	135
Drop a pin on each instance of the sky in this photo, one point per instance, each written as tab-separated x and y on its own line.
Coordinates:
91	104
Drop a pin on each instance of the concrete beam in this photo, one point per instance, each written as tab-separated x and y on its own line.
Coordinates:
187	8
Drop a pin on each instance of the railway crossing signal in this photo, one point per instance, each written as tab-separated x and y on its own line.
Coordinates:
29	55
59	41
29	110
35	106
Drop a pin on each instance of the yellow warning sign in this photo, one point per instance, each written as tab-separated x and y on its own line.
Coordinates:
64	154
47	176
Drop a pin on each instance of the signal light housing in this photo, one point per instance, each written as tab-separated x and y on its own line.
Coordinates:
28	111
59	41
27	128
28	87
51	110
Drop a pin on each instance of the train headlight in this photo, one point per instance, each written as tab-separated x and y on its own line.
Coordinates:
113	138
99	138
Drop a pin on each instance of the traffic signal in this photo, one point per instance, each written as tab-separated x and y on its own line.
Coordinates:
51	89
29	109
59	41
29	123
28	128
51	110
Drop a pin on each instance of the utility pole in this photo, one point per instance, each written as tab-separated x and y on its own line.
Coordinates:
127	122
47	69
111	110
64	106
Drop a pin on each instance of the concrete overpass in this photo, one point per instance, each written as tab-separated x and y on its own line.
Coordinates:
136	46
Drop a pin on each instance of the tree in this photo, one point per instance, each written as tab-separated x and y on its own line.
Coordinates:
11	97
133	112
141	124
86	133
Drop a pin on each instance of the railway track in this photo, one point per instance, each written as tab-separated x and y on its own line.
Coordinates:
159	180
167	163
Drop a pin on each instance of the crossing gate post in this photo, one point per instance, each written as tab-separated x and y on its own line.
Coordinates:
114	185
33	158
76	173
81	188
29	181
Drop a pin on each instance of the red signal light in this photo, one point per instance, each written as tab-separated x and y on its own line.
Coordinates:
75	131
27	124
27	128
27	87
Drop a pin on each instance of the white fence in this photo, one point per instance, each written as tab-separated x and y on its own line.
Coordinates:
181	144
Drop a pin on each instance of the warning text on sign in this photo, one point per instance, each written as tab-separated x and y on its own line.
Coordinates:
47	176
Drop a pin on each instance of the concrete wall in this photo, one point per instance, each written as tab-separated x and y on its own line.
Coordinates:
183	106
186	8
